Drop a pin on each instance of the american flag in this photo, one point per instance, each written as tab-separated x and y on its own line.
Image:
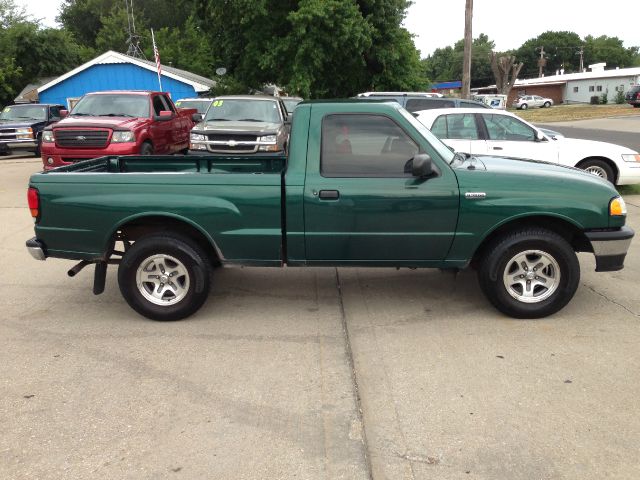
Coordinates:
156	54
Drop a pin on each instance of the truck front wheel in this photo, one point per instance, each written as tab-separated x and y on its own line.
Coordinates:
146	149
531	273
164	276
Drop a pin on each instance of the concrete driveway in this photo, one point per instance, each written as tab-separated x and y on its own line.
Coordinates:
312	374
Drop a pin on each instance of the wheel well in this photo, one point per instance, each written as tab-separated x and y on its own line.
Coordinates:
140	227
572	234
603	159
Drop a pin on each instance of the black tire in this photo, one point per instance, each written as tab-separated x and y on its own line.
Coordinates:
524	106
497	269
36	152
146	149
599	168
636	105
547	104
175	252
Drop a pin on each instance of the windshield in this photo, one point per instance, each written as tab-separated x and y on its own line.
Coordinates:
200	105
248	110
444	151
116	105
24	112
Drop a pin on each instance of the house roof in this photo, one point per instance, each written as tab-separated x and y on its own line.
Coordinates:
199	83
29	93
568	77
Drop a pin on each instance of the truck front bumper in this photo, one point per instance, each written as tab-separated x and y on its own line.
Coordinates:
27	144
54	156
36	249
610	248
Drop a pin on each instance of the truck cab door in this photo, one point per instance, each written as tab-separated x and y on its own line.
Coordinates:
361	203
161	128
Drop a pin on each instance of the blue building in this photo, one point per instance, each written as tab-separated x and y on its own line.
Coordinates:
116	71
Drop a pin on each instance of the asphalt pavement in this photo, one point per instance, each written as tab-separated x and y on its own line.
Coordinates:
312	373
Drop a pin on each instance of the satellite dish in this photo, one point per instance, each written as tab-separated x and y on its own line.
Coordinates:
221	71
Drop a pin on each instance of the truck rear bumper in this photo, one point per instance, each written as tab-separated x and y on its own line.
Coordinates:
36	249
610	248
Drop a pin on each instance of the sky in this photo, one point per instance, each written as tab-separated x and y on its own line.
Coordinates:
438	24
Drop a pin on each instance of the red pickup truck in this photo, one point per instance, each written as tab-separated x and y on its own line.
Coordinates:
117	123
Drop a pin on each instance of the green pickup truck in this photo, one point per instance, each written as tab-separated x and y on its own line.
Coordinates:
364	184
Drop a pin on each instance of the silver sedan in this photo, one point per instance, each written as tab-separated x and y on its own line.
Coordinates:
528	101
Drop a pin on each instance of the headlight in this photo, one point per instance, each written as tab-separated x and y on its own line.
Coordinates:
121	137
631	157
23	133
47	136
196	137
617	207
269	139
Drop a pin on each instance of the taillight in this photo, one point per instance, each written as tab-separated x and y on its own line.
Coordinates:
34	202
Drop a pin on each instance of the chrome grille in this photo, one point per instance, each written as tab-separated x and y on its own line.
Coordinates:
81	138
8	134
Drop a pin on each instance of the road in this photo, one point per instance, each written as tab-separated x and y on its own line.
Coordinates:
312	374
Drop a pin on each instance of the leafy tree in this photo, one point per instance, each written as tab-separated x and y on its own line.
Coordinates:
609	50
445	64
560	48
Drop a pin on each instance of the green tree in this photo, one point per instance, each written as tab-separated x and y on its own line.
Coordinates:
561	52
609	50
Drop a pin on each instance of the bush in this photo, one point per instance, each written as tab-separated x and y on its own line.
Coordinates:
595	100
604	99
620	97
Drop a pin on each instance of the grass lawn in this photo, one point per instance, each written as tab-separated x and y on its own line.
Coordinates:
566	113
629	189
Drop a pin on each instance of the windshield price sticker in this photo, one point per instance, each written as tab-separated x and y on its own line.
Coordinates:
6	110
218	103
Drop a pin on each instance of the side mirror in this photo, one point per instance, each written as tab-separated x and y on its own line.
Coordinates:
421	166
196	117
64	113
540	137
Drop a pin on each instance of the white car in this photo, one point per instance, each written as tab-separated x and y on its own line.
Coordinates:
527	101
503	134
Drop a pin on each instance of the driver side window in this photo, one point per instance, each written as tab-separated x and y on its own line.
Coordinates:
502	127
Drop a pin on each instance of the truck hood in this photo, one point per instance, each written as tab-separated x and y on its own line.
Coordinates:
100	122
20	124
259	128
523	173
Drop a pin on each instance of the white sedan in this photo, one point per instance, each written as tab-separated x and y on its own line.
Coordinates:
503	134
528	101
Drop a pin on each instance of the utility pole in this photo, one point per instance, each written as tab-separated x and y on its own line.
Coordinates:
581	53
468	42
541	62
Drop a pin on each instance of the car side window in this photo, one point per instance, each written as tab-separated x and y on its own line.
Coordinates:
54	113
502	127
168	103
365	146
456	126
158	105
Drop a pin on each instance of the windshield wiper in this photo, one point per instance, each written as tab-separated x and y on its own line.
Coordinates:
79	114
249	120
116	115
217	120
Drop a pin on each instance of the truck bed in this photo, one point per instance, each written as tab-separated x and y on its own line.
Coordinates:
178	163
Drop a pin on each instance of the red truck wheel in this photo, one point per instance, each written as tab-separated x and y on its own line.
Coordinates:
146	149
531	273
164	276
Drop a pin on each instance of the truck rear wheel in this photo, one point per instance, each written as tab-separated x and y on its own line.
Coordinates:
530	273
164	276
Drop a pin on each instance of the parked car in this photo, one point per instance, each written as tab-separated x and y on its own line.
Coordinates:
21	125
504	134
633	96
364	184
290	103
527	101
414	102
200	104
117	123
242	124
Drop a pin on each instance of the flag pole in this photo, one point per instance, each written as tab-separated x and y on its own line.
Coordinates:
156	54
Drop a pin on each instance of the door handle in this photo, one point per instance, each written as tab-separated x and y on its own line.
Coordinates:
497	148
329	195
